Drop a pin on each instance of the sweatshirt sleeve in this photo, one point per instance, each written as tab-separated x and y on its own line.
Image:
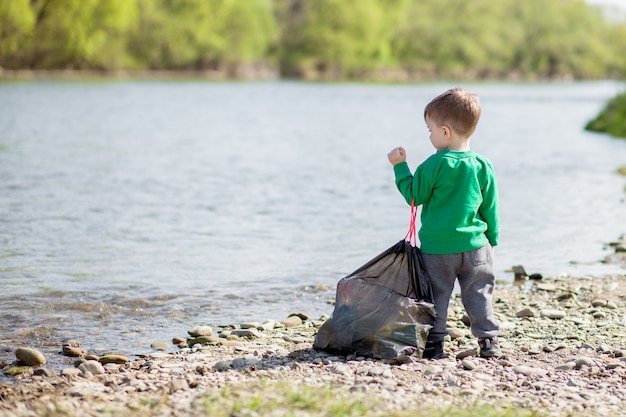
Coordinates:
404	180
418	186
489	209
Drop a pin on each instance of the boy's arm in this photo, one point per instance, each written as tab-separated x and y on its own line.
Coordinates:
404	180
489	209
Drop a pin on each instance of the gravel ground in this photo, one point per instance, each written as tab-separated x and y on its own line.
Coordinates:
564	341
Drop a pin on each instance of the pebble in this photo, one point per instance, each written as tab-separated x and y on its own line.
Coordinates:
71	373
553	314
249	333
525	312
93	367
469	364
29	357
178	384
74	351
204	340
529	371
222	366
560	363
457	333
584	361
160	346
292	321
197	331
118	359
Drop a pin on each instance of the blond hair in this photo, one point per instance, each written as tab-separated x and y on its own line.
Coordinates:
456	108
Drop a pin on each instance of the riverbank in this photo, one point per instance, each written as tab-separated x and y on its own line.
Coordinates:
564	339
260	73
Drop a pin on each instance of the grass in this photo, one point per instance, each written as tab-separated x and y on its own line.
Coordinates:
612	119
284	399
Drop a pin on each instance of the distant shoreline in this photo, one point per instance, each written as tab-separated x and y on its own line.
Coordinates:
266	73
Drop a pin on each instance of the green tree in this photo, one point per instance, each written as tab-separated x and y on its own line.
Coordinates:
332	37
614	40
203	33
81	33
560	38
17	21
430	39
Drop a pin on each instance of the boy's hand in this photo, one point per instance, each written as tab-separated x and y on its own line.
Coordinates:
397	155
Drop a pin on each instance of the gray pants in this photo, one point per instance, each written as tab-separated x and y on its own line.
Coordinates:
474	270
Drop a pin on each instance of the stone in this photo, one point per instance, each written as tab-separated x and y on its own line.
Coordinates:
584	361
519	272
85	389
29	357
178	384
466	353
599	302
160	346
74	351
222	366
115	358
292	321
553	314
529	371
95	368
197	331
546	287
268	325
203	340
19	370
525	312
376	371
46	373
71	372
179	341
457	333
342	370
247	333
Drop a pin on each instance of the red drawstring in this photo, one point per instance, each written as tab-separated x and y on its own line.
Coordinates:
411	235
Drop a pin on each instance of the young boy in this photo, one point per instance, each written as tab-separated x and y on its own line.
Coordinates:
458	193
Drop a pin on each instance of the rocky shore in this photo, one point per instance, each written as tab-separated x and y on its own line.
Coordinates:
564	339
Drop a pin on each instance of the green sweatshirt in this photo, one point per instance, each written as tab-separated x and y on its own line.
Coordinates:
459	194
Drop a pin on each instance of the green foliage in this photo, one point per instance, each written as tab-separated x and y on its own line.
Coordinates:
612	119
17	20
428	40
332	36
202	33
318	38
78	34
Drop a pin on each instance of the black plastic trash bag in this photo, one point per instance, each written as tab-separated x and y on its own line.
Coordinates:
382	310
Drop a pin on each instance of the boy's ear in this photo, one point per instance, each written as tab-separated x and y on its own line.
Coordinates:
447	132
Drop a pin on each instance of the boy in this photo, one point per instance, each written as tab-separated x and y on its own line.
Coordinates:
457	188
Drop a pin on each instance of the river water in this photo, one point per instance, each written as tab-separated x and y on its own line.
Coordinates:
131	211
